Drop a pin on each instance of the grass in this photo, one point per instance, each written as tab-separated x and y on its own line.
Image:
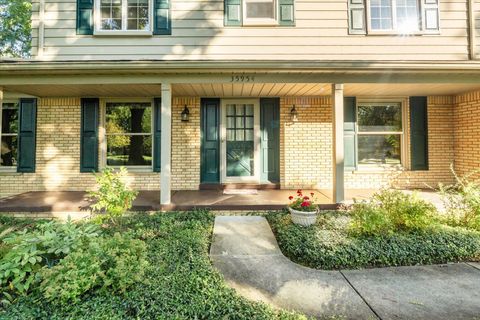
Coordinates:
180	282
329	244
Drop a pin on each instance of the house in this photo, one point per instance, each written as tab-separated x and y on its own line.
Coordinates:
195	94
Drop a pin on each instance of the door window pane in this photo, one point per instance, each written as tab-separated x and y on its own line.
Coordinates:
379	149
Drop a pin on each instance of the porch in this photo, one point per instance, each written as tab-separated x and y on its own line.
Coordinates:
59	203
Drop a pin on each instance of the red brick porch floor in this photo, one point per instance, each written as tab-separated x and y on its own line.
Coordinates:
76	201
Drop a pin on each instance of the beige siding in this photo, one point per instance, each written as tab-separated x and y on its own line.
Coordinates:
321	32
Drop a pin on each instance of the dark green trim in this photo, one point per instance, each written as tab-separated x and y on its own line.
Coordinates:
89	135
270	140
418	133
210	141
286	12
85	17
27	135
233	12
157	135
162	24
350	133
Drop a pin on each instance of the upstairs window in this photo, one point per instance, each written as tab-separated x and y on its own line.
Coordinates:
258	12
124	16
393	16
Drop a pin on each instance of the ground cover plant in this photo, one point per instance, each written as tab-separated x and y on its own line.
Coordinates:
178	282
392	229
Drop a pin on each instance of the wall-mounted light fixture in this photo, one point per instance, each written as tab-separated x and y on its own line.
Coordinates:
185	114
294	114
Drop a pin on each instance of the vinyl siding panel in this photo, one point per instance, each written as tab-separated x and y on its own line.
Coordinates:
321	32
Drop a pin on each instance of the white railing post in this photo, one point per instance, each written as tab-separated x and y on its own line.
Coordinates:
166	144
338	147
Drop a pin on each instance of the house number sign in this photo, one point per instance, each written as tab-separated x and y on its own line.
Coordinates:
242	78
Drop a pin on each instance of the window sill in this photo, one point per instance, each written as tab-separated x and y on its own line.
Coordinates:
402	34
379	169
134	169
123	33
9	172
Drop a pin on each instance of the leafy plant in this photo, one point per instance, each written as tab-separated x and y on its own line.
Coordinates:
30	250
462	201
389	211
15	28
113	263
113	197
302	202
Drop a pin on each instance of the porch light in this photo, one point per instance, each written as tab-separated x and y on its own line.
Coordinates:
294	114
185	114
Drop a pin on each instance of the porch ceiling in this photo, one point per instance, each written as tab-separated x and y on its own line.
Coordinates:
238	90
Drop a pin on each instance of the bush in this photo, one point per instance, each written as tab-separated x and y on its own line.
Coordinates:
330	245
390	211
113	263
30	250
113	197
462	202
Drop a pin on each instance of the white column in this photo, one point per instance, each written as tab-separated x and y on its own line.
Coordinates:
338	148
166	141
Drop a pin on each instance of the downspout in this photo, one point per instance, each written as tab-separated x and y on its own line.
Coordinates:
472	43
41	29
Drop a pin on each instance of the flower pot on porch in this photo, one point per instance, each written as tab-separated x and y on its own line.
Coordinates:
303	218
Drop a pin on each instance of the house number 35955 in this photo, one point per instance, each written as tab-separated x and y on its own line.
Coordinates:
242	78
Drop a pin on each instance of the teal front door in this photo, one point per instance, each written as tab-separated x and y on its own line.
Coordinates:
240	141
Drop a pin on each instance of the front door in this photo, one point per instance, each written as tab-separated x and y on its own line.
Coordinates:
240	141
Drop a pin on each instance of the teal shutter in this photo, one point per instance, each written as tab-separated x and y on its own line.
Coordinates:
161	20
233	12
418	133
27	135
85	17
89	135
270	139
349	132
286	12
356	17
157	135
431	16
210	141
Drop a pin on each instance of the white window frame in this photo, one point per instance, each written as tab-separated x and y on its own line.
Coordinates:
124	32
103	132
420	15
403	136
2	102
260	21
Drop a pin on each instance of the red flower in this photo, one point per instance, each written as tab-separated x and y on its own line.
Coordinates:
311	193
305	204
290	198
299	191
306	198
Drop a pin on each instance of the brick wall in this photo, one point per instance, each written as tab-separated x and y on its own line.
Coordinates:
467	133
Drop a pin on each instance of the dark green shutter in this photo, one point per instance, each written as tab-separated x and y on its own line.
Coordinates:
356	17
27	135
210	141
270	139
286	12
418	133
349	132
162	20
157	135
85	17
233	12
89	135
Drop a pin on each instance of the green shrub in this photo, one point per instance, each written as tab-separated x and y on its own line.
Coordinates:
30	250
330	245
113	197
462	202
389	211
113	263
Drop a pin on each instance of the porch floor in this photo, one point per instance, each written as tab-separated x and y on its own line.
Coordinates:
76	201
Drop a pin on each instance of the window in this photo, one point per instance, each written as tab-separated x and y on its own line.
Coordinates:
9	134
259	12
379	133
124	15
128	128
400	15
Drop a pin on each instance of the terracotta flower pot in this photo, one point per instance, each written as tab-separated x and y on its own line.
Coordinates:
303	218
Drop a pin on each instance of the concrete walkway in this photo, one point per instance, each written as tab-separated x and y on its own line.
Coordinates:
246	252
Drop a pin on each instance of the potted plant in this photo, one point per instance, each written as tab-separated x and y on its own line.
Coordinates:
303	209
